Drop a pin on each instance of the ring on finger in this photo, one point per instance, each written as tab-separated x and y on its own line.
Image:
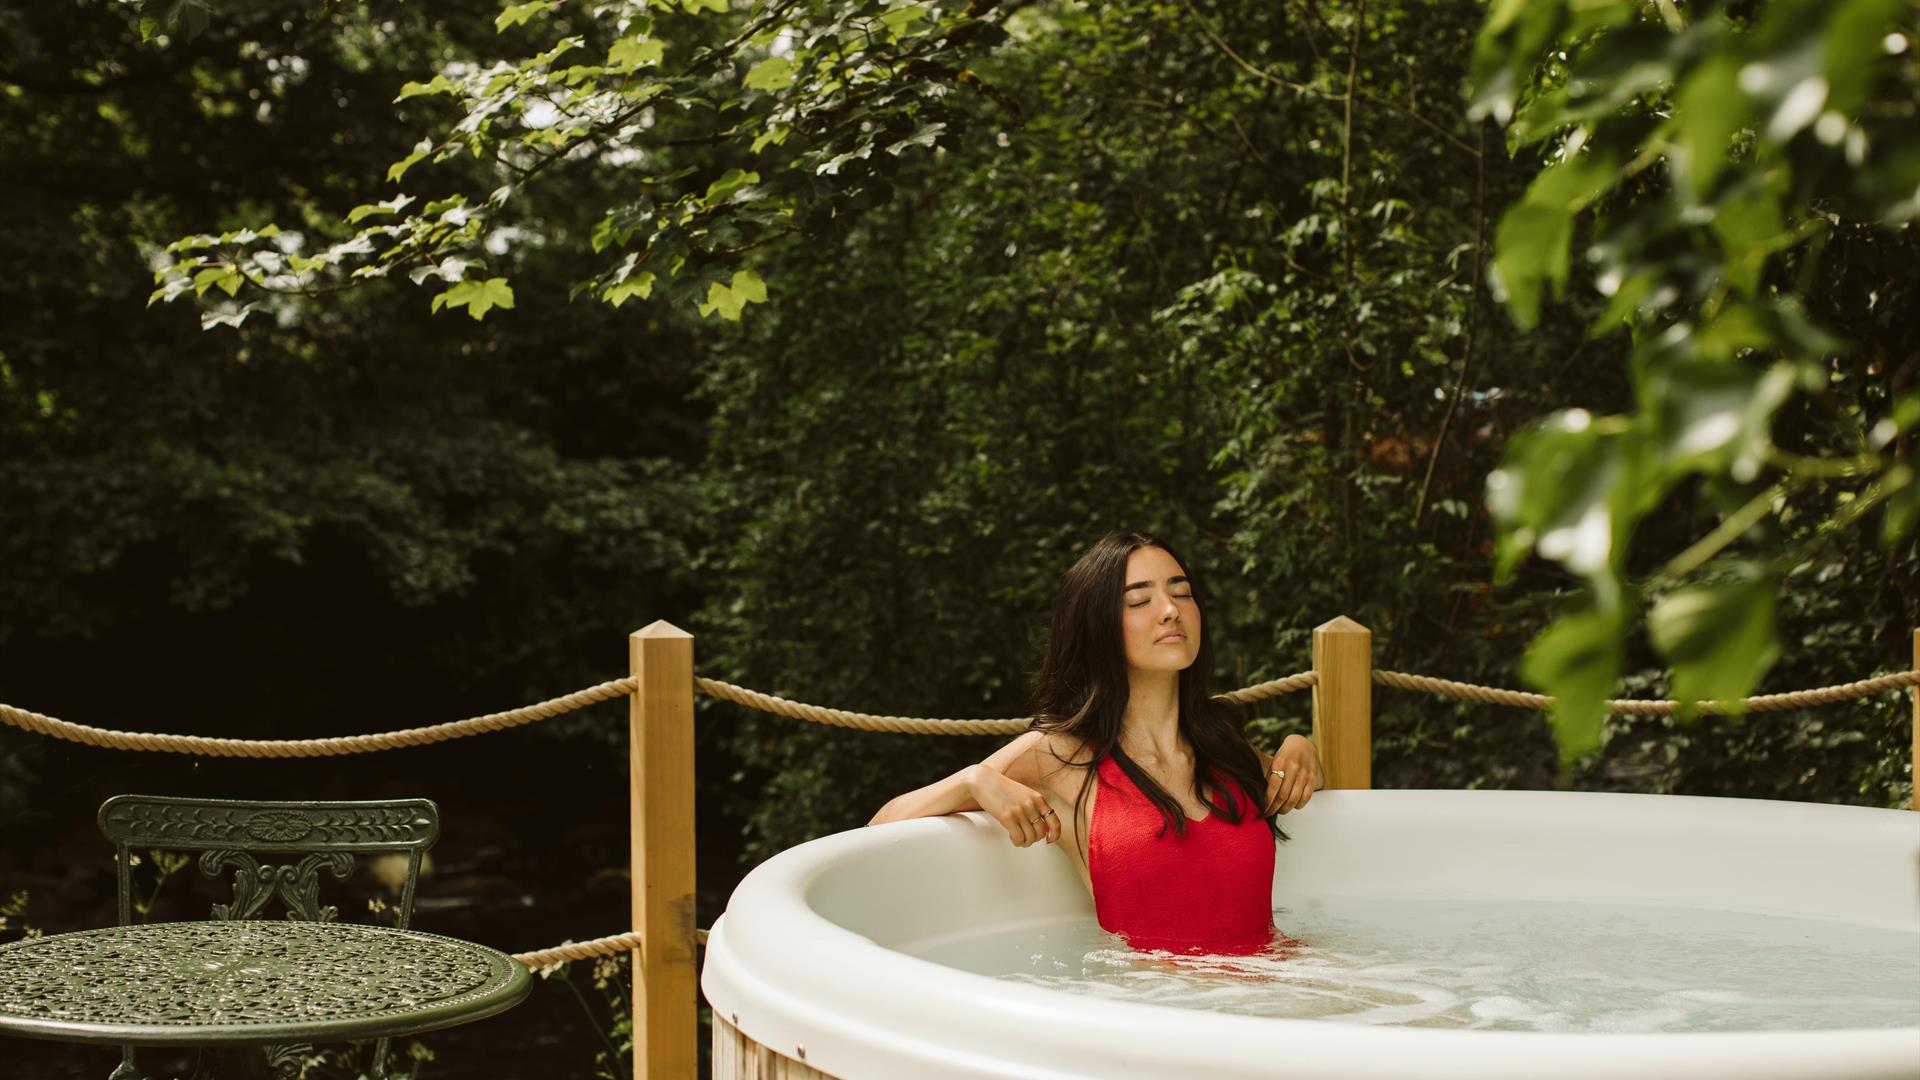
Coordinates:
1281	773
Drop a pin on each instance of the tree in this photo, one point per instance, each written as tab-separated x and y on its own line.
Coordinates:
809	103
1752	177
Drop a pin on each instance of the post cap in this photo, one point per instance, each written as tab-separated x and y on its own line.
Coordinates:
1340	624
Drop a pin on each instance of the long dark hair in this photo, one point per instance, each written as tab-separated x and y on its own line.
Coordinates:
1082	689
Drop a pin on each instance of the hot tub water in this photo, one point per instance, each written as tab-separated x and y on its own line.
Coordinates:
1520	965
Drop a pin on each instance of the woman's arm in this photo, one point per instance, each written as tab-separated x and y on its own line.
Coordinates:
949	796
1300	761
1020	809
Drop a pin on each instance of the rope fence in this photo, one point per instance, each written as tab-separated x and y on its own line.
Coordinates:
1797	699
570	951
305	748
613	944
207	746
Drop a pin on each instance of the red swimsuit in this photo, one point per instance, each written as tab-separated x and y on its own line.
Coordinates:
1208	891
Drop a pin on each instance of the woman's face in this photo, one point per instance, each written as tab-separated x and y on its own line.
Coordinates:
1159	618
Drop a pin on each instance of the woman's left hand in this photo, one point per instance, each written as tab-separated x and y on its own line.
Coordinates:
1293	775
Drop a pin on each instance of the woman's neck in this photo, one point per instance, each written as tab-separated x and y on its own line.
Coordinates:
1151	726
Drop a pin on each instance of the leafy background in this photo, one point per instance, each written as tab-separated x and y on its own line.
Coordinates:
832	331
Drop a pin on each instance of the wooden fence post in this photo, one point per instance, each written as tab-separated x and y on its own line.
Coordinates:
1343	702
660	737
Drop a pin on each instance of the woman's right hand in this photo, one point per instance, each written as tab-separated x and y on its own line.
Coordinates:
1019	809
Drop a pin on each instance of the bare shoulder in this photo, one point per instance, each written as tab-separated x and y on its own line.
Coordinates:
1041	758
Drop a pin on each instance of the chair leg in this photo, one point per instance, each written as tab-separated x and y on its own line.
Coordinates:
127	1070
379	1070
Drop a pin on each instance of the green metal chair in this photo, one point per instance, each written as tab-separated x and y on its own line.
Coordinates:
230	834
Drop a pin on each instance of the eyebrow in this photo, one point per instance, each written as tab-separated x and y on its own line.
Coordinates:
1177	579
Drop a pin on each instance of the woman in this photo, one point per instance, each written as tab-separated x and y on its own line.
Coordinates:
1166	809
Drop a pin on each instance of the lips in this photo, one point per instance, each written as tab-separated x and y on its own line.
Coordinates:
1170	639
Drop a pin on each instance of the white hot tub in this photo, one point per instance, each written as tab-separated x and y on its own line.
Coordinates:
822	957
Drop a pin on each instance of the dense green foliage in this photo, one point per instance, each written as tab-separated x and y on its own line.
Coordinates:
148	466
1207	268
1753	172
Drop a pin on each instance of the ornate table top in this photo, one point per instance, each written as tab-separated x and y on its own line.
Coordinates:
251	981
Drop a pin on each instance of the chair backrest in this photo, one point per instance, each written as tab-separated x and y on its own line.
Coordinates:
326	836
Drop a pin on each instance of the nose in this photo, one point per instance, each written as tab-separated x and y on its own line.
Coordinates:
1170	611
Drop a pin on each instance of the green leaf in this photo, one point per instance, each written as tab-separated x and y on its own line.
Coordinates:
727	301
925	136
1530	244
1750	228
233	318
1571	488
189	17
1903	506
1710	107
399	168
478	297
640	285
388	206
1712	416
897	20
1718	636
1574	182
1854	32
221	276
1529	247
730	181
440	85
770	74
1577	661
633	53
519	13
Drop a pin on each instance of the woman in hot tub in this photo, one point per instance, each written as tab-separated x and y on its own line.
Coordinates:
1168	812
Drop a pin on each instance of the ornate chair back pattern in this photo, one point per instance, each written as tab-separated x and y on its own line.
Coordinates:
324	836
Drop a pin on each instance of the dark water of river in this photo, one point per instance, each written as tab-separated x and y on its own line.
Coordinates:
533	851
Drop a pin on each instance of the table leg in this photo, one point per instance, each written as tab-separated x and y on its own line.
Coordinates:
126	1070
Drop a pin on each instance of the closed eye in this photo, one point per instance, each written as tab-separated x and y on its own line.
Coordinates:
1176	596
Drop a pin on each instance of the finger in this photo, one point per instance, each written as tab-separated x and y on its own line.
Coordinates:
1017	829
1273	794
1292	795
1037	823
1053	826
1306	790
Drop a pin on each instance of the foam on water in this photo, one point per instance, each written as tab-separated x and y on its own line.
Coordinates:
1515	965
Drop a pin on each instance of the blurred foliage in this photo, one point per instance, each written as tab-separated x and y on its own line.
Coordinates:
13	924
734	127
1207	268
1747	176
486	509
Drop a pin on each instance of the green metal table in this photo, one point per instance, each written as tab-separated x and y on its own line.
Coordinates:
253	982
